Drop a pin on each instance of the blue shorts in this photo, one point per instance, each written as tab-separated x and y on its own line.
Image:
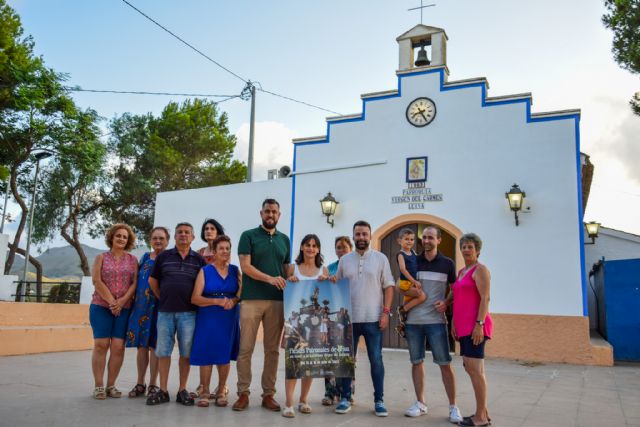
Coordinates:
468	349
105	324
169	324
437	336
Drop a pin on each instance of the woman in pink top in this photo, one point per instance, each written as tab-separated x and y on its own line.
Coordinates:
114	277
472	324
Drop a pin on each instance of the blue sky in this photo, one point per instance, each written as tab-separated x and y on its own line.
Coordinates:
329	52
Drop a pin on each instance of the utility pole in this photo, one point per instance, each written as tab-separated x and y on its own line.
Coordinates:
249	91
252	125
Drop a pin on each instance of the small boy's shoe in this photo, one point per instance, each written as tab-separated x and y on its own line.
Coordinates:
454	414
343	407
402	314
416	410
380	409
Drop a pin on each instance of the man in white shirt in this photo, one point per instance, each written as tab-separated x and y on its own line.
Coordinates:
372	286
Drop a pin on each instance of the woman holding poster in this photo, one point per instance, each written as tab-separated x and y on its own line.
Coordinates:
308	266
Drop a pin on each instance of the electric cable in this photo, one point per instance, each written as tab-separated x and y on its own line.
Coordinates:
184	41
140	92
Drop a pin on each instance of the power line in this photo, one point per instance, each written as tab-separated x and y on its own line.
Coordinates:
299	102
184	41
177	112
140	92
249	83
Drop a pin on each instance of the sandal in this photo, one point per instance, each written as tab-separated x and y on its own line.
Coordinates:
327	401
203	402
138	390
304	408
288	412
158	397
221	397
196	394
468	421
113	392
99	393
152	389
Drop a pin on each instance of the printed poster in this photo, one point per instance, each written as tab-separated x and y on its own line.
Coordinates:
317	330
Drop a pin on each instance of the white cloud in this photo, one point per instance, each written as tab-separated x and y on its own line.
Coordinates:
272	147
615	151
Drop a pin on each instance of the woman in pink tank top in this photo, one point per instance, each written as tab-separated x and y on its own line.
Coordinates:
472	324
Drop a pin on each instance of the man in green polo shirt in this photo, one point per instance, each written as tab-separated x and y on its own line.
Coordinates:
264	254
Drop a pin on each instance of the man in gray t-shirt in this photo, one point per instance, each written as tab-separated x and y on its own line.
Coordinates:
427	322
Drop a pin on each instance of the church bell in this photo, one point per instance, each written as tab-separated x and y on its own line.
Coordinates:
422	58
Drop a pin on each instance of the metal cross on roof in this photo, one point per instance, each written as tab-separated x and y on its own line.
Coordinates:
421	7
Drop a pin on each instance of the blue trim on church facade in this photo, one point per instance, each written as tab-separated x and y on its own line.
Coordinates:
484	103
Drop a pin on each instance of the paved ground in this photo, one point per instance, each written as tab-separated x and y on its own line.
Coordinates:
54	390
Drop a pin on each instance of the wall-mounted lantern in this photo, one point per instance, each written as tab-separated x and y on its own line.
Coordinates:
329	205
515	196
593	228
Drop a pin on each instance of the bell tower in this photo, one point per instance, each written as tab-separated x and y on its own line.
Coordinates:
421	39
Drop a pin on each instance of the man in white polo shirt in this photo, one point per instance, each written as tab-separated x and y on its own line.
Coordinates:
372	287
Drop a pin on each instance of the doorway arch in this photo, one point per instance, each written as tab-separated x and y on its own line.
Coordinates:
403	220
384	240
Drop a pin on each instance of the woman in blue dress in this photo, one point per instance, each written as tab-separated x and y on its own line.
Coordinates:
217	334
141	330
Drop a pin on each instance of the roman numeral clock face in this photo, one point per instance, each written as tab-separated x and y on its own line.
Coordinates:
421	112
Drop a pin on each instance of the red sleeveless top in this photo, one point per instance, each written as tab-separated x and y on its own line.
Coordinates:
117	274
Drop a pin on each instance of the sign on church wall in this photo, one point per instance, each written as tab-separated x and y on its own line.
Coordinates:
417	193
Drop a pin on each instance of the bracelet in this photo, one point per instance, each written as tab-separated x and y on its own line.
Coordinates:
386	310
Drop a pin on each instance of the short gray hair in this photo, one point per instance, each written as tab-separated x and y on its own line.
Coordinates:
473	238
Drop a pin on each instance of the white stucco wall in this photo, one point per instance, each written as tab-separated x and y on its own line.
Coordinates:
235	206
475	155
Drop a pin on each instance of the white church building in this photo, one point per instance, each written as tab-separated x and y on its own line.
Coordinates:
435	151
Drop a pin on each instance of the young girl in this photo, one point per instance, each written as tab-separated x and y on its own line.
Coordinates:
308	266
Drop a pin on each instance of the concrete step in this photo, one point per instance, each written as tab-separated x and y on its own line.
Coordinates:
17	340
601	347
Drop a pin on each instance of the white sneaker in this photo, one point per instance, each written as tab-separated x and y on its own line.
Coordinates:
416	410
454	414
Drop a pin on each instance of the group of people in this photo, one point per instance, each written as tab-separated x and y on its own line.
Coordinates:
214	310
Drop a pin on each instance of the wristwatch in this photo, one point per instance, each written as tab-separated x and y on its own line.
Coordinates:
480	322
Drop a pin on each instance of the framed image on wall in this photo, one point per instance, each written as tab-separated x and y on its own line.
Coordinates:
417	169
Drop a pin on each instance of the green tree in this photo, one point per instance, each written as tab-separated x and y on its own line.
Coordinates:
33	105
188	146
623	18
69	196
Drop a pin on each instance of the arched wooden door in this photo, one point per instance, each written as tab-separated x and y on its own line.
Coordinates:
385	240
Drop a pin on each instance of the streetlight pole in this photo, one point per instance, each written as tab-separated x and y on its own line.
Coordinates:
4	209
39	156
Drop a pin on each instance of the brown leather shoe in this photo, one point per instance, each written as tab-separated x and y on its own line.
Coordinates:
242	402
268	402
